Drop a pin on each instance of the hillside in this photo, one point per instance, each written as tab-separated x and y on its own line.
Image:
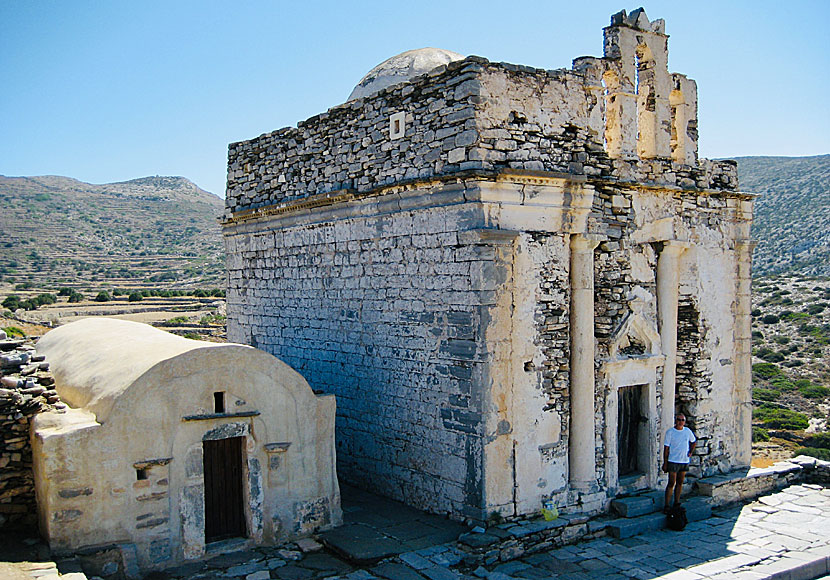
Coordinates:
153	231
792	214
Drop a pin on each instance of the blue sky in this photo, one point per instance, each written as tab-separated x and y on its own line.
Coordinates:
108	91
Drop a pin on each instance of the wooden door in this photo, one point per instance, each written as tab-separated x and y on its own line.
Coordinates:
628	425
224	510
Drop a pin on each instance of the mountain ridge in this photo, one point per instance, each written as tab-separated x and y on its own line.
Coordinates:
60	230
792	213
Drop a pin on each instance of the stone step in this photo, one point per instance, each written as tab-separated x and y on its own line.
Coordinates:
697	508
631	507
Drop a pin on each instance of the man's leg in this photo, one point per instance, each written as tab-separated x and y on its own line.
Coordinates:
681	476
669	486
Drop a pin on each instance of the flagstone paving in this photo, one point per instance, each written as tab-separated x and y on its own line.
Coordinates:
784	535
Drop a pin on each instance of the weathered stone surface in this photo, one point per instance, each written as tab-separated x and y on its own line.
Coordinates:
23	395
481	292
148	407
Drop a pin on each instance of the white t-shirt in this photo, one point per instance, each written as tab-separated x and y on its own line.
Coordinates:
678	441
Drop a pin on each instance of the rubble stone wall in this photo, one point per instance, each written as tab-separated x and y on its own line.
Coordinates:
472	115
26	389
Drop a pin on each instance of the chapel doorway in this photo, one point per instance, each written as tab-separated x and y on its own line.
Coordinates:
224	499
631	431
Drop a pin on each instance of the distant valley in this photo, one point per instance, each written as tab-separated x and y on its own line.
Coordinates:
149	232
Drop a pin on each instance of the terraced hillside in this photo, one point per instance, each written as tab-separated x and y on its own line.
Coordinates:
148	232
792	213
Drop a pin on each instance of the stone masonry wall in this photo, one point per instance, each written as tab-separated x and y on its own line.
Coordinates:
385	314
472	115
432	355
26	389
349	147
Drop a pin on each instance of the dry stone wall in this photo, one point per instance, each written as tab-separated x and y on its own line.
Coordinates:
26	389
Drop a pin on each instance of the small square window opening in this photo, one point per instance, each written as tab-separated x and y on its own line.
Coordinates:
141	474
397	125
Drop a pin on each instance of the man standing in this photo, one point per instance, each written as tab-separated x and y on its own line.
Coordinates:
677	448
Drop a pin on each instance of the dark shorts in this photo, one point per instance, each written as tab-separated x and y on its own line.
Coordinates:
673	467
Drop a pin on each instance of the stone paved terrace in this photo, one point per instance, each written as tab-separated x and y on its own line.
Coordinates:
783	535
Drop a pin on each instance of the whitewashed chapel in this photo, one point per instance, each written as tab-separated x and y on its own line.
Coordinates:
510	278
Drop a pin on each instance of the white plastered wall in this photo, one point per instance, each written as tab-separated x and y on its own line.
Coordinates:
86	470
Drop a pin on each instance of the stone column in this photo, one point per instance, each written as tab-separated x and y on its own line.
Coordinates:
742	396
667	297
581	443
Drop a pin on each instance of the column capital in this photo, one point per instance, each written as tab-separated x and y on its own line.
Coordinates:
586	242
675	247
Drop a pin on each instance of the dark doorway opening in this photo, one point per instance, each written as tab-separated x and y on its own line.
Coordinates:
224	500
629	437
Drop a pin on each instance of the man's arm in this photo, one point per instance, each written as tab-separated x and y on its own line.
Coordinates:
692	447
665	457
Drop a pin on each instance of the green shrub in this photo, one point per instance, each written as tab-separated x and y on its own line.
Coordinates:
192	335
759	434
766	370
820	440
823	454
199	293
64	291
177	320
814	392
212	319
757	334
815	308
777	418
12	302
42	299
76	297
781	339
117	292
783	383
135	297
14	331
103	296
770	319
756	312
761	394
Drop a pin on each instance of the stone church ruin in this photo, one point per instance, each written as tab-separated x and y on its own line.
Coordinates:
510	278
170	445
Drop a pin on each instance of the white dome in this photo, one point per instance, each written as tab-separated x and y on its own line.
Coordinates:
402	68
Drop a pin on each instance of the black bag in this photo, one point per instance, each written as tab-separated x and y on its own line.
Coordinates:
676	518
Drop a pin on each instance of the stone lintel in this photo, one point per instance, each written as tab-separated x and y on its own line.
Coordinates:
280	447
152	462
488	237
647	361
208	416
